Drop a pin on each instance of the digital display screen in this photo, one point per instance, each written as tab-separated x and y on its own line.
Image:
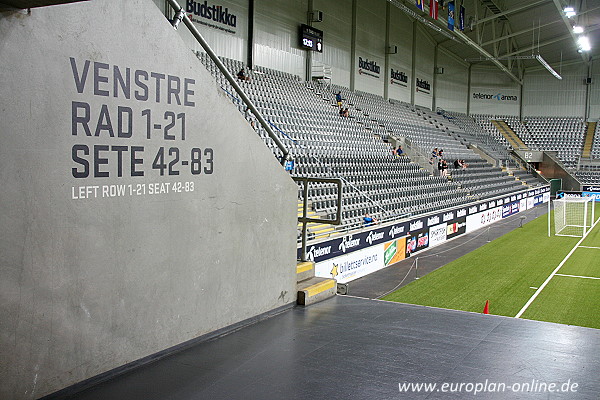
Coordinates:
311	38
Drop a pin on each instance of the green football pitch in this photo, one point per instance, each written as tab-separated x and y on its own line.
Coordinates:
518	273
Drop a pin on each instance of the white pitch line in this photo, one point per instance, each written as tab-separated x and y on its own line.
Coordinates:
589	247
537	292
578	276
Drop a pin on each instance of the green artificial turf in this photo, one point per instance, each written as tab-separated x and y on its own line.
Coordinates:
566	300
507	272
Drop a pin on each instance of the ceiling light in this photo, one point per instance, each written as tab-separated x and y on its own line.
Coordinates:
569	12
584	43
578	29
548	67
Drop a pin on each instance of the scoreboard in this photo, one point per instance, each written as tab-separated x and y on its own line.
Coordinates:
311	38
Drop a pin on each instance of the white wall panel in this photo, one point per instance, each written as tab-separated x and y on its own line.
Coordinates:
276	35
225	40
545	95
595	92
401	36
370	45
493	92
424	68
337	35
452	85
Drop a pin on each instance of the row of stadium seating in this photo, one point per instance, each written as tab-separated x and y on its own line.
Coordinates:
324	144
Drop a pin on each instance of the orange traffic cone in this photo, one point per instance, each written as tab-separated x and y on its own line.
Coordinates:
486	308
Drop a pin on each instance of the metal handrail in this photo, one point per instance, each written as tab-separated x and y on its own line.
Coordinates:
304	219
181	16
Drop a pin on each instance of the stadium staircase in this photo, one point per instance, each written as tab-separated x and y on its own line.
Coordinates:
312	289
588	140
513	139
315	231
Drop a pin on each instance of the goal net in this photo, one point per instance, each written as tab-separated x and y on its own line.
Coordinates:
573	216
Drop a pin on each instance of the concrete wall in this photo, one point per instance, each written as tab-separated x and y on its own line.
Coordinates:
106	255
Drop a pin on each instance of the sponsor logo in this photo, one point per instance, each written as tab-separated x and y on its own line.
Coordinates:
367	67
396	230
448	216
498	97
423	84
437	234
433	220
398	78
374	236
348	243
315	252
483	207
455	228
350	265
492	204
416	225
212	12
461	213
390	252
423	241
472	210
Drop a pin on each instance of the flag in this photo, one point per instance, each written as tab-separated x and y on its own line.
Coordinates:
451	15
461	18
419	4
433	9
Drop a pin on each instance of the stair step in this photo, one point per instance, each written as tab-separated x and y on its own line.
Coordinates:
316	289
305	270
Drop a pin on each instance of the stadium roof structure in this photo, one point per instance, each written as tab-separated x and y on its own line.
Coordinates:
516	35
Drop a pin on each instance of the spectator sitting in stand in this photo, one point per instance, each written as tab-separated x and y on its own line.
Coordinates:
399	151
346	113
457	164
369	221
242	76
444	171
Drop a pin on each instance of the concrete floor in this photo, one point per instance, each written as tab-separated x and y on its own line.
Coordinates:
358	348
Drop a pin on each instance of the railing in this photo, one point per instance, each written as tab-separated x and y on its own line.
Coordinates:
182	16
304	219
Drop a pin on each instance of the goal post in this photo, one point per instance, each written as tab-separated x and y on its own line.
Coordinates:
573	216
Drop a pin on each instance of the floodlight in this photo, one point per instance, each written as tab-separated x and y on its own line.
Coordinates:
578	29
569	12
584	43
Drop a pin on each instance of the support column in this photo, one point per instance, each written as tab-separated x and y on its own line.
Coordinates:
353	45
521	91
434	83
469	89
586	115
413	78
309	53
386	74
250	43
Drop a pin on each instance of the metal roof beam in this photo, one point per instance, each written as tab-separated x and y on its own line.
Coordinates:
513	11
521	32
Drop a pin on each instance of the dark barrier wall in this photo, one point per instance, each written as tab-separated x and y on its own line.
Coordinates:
139	209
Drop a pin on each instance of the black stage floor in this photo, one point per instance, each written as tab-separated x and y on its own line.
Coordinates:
357	348
351	348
